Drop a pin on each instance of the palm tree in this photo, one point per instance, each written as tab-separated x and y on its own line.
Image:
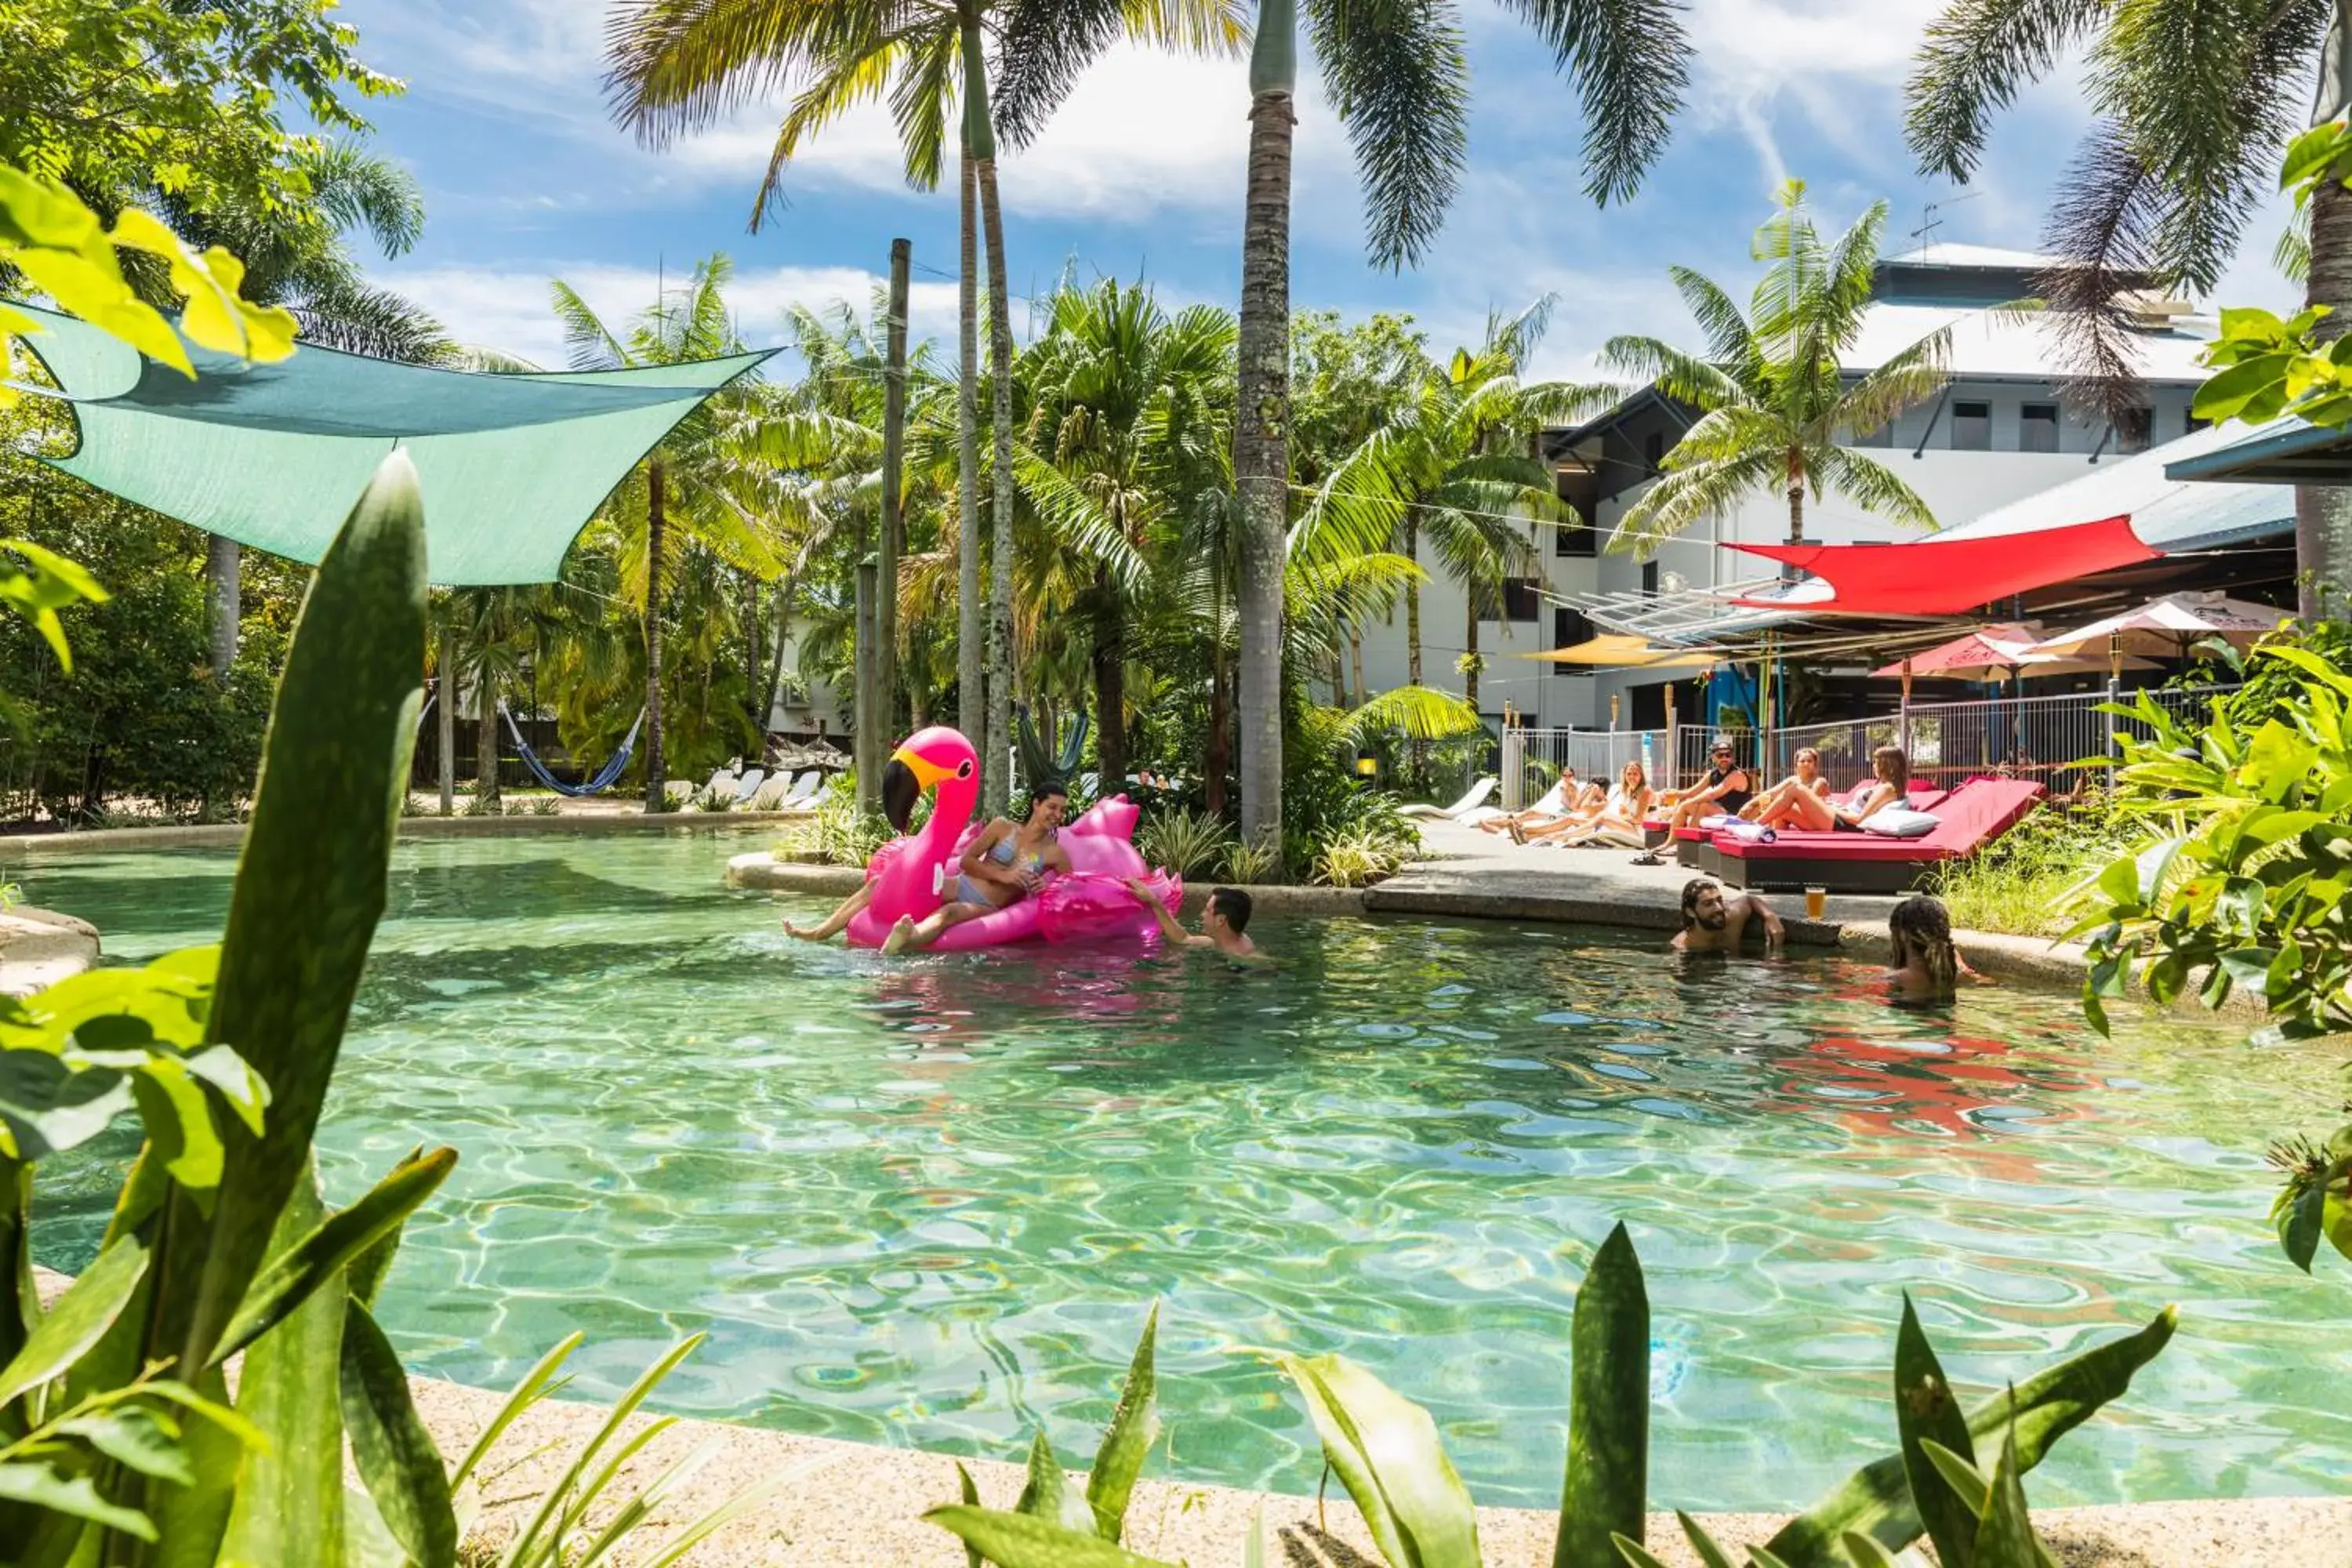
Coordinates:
1456	466
1400	81
2193	106
1773	397
692	479
1129	422
674	65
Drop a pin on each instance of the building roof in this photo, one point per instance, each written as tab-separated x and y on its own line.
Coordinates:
2012	345
1950	253
2286	450
511	467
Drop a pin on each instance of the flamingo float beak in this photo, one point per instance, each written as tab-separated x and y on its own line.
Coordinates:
904	779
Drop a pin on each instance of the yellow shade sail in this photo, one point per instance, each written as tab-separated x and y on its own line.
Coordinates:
1616	651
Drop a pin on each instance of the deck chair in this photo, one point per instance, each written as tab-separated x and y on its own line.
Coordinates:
746	786
804	790
1472	801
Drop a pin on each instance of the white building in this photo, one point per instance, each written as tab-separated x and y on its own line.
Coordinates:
1998	434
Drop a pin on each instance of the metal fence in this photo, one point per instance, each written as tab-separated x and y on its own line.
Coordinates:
2056	740
1533	760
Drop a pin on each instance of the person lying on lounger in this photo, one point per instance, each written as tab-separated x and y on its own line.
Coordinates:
1891	773
1727	787
1557	803
1621	816
1776	808
1714	924
1587	802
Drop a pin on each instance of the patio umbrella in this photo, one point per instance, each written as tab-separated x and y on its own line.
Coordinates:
2168	627
2012	649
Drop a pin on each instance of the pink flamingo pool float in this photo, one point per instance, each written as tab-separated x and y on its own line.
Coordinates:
912	874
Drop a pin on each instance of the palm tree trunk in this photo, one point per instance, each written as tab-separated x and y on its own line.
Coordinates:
655	782
1219	760
1262	421
971	683
996	787
1470	648
2323	516
1110	687
783	638
1796	511
446	719
751	663
1418	757
1356	663
224	599
486	735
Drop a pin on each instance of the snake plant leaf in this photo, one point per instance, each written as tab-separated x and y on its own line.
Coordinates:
396	1457
309	888
1876	1499
1046	1493
325	1251
1634	1553
1134	1427
1763	1557
969	1489
78	1320
135	1437
1960	1476
1927	1410
1386	1452
538	1383
44	1487
366	1273
1253	1546
2005	1537
1024	1541
1864	1551
1701	1542
1605	1493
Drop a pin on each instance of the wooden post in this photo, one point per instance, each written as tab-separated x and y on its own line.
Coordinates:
1903	711
1672	769
865	705
894	457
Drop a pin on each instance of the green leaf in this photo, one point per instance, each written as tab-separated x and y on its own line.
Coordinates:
142	1439
1634	1553
1864	1551
2007	1538
396	1459
969	1489
1701	1542
1385	1450
1927	1412
536	1385
43	1488
321	1255
1876	1499
2301	1224
1134	1426
2310	153
2222	395
1605	1492
1958	1477
78	1320
1046	1493
48	1109
1021	1540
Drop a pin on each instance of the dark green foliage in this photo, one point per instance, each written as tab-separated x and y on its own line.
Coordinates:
1606	1493
1926	1409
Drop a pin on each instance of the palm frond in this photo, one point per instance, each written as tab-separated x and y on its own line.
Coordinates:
1398	76
1978	55
1418	713
1875	487
1682	376
1631	62
588	344
1683	498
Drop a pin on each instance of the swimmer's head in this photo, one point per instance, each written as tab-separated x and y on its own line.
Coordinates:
1049	800
1702	907
1229	907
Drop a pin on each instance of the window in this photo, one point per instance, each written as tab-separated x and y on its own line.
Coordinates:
1569	627
2134	428
1971	426
1649	578
2037	428
1519	598
1577	537
2193	425
1653	450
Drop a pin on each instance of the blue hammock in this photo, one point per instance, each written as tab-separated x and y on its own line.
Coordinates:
604	778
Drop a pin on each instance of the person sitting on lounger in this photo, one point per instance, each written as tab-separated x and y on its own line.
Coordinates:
1727	787
1713	923
1891	774
1923	966
1557	803
1587	803
1621	816
1776	808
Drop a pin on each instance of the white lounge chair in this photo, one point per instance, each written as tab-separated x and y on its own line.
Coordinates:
747	786
804	791
724	779
1475	798
1553	802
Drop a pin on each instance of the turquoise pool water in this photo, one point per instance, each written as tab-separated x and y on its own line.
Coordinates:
928	1202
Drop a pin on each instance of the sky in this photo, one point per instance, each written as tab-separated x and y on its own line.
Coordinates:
1140	175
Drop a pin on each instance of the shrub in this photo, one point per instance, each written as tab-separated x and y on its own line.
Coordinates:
842	832
1188	843
1358	857
1254	864
2032	880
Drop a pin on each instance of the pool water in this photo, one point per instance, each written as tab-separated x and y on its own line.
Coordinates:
928	1202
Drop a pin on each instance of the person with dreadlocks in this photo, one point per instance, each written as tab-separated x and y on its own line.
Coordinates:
1923	966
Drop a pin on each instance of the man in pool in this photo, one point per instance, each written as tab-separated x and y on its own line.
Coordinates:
1223	922
1713	923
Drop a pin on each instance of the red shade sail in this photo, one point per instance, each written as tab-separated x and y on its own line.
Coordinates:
1935	576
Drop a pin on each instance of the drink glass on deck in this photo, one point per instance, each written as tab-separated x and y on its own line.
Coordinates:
1816	900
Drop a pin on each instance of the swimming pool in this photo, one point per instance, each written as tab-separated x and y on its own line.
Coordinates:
929	1202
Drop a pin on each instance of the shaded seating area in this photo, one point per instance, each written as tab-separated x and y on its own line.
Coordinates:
1967	819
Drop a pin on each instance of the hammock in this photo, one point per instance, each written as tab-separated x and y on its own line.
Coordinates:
604	778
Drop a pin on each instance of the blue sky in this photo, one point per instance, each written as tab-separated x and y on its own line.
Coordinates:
1141	174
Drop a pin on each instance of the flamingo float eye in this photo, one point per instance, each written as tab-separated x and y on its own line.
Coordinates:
963	769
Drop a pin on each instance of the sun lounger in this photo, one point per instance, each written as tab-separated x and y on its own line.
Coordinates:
1695	847
1471	802
1968	818
747	786
804	792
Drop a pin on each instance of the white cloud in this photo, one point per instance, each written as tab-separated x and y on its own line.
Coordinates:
508	309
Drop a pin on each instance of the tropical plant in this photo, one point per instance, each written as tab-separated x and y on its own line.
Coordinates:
1772	394
220	1242
1357	857
1186	843
674	67
1400	79
2242	881
1255	862
2190	108
1386	1452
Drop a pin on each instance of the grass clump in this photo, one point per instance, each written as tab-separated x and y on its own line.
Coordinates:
2029	881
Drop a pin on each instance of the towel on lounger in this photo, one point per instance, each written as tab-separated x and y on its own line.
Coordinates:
1749	832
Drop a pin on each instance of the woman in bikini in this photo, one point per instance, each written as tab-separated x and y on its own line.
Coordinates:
1923	966
1776	808
1891	770
1620	820
1004	865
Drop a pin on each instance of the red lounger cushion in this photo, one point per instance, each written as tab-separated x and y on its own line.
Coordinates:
1980	810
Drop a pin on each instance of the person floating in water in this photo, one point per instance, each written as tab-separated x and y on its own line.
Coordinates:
1923	966
1713	923
1004	865
1223	922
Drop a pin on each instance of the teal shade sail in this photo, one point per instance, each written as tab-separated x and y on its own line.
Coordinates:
273	455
